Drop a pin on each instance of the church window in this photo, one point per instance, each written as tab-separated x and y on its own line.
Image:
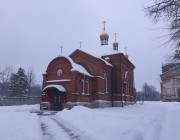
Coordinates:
106	84
87	87
178	81
104	42
82	86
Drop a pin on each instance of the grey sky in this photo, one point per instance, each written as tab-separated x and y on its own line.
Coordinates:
32	31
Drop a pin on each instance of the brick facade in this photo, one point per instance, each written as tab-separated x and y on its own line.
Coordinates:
110	81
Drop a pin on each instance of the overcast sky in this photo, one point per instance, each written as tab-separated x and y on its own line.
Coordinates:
32	31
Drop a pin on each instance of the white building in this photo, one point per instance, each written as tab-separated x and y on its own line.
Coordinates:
170	84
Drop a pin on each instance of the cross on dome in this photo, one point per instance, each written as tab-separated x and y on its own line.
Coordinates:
125	50
104	36
104	25
126	55
80	42
61	48
115	36
115	43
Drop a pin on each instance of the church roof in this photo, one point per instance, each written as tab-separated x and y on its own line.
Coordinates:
77	67
172	72
98	52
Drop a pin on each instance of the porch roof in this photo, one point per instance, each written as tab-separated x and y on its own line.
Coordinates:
59	87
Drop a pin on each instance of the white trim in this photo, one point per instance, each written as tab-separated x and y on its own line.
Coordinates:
102	101
85	94
75	93
54	81
59	87
100	92
99	77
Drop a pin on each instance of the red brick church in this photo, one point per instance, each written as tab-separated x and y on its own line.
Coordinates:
99	77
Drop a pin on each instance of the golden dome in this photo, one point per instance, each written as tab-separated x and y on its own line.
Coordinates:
115	44
104	36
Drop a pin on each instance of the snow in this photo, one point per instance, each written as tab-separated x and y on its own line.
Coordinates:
19	108
77	67
52	129
17	123
99	51
59	87
150	121
96	51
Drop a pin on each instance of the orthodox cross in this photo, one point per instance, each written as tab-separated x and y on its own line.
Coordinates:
115	36
80	42
125	50
104	24
61	48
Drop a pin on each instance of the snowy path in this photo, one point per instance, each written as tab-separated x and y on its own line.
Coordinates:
55	130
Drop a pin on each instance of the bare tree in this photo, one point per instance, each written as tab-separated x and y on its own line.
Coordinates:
31	78
5	74
168	10
174	57
149	92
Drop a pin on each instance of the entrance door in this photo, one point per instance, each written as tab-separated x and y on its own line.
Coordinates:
55	98
57	102
179	93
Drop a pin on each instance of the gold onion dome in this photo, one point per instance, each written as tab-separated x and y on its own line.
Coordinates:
104	36
115	44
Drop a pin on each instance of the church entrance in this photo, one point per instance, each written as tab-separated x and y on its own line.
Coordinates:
179	94
57	101
55	98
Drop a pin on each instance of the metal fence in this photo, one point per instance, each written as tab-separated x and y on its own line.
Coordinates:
29	100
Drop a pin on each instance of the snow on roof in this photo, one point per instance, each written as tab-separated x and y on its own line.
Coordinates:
77	67
170	69
100	51
59	87
97	51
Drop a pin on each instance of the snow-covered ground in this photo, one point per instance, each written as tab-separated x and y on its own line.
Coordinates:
17	123
150	121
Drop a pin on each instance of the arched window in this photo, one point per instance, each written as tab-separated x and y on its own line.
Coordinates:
82	81
87	87
104	41
106	86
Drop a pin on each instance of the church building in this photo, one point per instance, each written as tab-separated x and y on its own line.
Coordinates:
98	77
